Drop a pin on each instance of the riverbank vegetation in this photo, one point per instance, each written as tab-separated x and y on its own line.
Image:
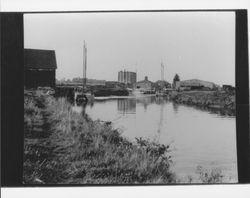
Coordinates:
65	147
221	101
206	176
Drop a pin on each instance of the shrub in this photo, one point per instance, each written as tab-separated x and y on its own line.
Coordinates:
212	176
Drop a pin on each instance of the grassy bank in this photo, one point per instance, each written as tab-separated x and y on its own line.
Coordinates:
219	101
62	146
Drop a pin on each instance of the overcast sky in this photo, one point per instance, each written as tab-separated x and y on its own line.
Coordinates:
193	44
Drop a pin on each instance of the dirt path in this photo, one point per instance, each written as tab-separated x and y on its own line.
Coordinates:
38	149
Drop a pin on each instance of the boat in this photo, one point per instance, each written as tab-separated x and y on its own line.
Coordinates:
137	92
149	92
161	93
83	98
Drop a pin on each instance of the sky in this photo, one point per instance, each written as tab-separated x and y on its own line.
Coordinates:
198	45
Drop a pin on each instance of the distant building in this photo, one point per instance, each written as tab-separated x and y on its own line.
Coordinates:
94	82
89	82
114	84
39	68
145	84
77	80
196	84
127	77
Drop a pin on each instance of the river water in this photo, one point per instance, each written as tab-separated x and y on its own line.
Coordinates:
196	137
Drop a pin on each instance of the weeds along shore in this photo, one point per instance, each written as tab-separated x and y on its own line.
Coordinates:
65	147
218	101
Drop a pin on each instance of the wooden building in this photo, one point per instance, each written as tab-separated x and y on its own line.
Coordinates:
39	68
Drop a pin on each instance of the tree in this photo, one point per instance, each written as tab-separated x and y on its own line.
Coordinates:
176	78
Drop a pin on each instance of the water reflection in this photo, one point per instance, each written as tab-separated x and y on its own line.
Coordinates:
175	107
221	112
125	106
197	136
149	100
145	101
160	125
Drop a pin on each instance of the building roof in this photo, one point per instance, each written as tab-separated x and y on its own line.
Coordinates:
162	81
196	82
125	71
144	81
39	59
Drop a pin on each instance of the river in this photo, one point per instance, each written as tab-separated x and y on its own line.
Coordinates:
196	137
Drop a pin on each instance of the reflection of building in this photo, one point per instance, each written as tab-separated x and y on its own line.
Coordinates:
40	68
145	84
127	77
126	105
145	101
195	84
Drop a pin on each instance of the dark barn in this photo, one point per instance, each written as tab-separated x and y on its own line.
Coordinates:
40	68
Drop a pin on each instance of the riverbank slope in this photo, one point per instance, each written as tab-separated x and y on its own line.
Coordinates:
221	101
65	147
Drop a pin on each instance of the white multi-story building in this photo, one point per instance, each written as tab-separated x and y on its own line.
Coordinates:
127	77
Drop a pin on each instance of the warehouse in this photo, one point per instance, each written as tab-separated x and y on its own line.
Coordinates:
145	84
196	84
39	68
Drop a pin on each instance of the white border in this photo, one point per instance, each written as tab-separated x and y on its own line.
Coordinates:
142	191
82	5
211	191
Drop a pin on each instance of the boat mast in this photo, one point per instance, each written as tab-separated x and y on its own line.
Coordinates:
162	75
84	65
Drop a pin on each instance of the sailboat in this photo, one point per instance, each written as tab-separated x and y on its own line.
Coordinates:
162	91
83	97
